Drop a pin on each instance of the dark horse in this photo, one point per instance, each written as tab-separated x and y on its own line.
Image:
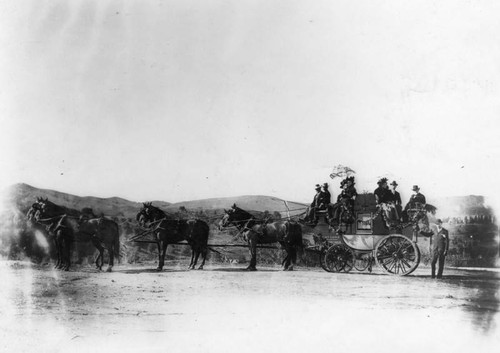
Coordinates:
65	226
171	231
286	233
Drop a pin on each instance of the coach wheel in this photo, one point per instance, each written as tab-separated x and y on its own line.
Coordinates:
397	255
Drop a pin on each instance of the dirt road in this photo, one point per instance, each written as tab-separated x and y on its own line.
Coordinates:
224	309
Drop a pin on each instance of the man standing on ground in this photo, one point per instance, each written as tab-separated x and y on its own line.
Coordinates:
440	245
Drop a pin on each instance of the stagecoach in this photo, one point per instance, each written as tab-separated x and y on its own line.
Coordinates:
366	241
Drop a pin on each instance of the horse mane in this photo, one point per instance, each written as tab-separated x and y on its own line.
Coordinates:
156	210
60	210
247	214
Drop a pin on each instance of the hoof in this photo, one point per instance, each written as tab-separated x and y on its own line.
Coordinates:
159	269
200	268
108	269
251	268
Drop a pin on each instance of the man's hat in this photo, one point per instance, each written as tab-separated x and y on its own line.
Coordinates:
381	181
439	221
317	187
394	183
415	188
325	185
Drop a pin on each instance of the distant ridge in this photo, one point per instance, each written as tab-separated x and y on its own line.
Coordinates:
23	195
249	202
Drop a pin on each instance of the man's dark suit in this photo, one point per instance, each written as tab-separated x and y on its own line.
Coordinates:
440	245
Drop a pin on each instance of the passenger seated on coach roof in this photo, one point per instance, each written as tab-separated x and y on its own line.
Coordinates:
315	204
396	200
326	197
345	199
382	192
415	210
386	202
417	200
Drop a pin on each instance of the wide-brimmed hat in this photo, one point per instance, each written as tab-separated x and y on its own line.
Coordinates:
394	183
415	188
382	181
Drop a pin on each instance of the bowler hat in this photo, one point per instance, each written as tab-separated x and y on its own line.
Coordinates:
415	188
317	187
394	183
325	185
439	221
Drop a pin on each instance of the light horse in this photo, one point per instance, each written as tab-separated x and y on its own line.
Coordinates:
171	231
286	233
66	225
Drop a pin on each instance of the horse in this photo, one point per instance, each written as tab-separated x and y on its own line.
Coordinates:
62	240
66	225
171	231
104	235
286	233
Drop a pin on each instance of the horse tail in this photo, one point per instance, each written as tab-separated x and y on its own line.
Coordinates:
116	245
297	230
293	234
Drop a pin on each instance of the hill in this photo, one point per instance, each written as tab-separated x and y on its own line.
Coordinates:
259	203
23	195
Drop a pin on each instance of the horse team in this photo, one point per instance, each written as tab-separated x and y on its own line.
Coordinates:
64	226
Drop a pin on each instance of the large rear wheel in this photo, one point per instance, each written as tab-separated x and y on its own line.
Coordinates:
338	258
397	255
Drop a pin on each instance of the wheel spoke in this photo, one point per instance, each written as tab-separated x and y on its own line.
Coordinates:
397	255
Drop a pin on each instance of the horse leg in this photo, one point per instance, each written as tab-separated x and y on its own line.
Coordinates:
162	256
160	262
66	254
252	246
292	255
197	255
204	254
99	248
111	252
191	264
286	260
58	253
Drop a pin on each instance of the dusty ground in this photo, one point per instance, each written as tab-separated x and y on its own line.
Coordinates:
224	309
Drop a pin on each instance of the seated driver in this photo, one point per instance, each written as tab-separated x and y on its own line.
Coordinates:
415	209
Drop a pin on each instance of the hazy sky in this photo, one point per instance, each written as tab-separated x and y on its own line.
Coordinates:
179	100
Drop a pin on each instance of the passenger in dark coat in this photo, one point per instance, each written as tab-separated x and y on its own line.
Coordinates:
326	197
440	245
311	210
345	200
382	193
416	198
396	200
